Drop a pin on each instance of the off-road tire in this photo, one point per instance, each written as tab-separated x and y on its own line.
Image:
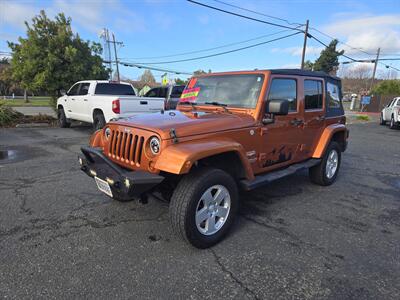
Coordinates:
381	120
392	124
62	119
98	121
318	173
184	202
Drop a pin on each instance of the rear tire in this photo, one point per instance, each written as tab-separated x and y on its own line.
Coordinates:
326	172
204	206
381	120
98	121
62	119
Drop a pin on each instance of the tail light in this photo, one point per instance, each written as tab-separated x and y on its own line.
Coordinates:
116	108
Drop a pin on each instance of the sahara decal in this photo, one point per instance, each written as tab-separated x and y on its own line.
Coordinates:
190	94
276	157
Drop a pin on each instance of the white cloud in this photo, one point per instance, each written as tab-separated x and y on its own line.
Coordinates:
367	32
15	13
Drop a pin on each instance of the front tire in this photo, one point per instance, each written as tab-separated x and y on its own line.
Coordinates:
381	120
326	172
62	119
204	206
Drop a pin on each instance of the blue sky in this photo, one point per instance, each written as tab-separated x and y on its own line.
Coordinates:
159	27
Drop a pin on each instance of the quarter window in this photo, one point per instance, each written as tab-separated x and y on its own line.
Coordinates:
284	89
313	94
333	95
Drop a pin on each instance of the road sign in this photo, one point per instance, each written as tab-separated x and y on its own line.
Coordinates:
365	100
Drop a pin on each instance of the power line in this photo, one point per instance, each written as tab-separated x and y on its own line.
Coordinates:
141	66
220	53
319	41
210	49
258	13
243	16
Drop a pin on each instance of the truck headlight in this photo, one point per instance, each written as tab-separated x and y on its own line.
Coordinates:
107	133
155	145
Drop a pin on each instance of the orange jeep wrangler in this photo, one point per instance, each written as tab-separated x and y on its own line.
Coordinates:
231	131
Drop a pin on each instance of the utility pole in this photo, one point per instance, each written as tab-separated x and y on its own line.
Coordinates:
303	55
109	51
116	57
375	65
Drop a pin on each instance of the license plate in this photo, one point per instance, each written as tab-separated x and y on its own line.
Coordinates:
103	186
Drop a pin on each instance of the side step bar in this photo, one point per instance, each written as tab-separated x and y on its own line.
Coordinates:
263	179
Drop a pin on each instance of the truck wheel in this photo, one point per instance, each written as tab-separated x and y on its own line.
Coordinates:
381	120
98	121
62	119
203	206
392	125
326	172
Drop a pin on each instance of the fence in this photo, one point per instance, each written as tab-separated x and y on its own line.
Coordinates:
378	102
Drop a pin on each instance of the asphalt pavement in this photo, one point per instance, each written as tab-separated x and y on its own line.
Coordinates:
61	238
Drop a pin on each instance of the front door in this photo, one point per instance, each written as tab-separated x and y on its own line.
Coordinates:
282	139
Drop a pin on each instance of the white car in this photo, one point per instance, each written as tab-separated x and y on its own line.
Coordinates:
99	101
391	113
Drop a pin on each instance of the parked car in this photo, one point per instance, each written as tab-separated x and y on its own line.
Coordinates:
391	113
231	131
171	93
99	101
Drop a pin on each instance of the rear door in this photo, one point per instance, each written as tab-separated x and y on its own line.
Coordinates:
70	105
313	106
81	104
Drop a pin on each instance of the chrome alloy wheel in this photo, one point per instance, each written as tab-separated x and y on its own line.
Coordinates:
332	164
213	209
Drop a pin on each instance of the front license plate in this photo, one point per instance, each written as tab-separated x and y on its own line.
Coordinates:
103	186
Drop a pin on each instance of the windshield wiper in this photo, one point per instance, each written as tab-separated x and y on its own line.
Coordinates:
215	103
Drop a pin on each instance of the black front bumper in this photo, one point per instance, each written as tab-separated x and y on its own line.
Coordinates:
124	184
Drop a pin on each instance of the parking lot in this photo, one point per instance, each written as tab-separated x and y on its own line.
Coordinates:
60	237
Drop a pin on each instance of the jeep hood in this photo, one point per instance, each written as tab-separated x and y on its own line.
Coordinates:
187	123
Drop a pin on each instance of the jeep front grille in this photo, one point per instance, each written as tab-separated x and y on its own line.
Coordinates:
126	147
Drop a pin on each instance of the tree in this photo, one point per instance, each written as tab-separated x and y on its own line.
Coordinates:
328	61
308	65
51	58
387	87
147	77
179	81
6	81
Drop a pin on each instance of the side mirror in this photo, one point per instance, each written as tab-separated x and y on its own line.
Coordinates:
63	93
279	107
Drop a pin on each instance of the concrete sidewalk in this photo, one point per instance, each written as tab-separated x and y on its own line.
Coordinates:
36	110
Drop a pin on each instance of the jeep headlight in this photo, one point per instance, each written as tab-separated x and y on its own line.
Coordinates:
155	145
107	133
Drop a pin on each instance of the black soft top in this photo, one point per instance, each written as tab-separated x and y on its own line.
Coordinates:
299	72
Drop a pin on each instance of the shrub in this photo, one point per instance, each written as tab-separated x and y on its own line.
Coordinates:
8	115
362	118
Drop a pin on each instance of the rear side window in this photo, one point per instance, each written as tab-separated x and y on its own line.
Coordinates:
84	88
74	90
284	89
114	89
313	94
163	92
177	91
333	95
152	93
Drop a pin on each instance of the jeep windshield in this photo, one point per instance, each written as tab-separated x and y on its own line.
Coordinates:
240	91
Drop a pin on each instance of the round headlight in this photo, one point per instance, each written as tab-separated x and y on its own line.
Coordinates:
107	133
155	145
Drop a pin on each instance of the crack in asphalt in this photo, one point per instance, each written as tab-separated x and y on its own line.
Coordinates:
233	276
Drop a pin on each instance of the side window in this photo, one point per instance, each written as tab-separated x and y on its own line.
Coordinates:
84	88
313	94
74	90
163	92
398	102
151	93
333	95
177	91
284	89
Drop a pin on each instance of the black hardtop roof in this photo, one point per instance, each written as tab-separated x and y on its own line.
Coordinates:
300	72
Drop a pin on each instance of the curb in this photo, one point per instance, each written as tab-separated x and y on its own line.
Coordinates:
30	125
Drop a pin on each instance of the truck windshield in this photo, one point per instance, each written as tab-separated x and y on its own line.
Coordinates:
229	90
114	89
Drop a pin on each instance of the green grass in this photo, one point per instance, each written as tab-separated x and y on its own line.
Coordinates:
33	101
362	118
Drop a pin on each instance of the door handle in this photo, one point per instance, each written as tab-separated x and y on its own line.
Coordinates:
296	122
143	102
73	99
85	100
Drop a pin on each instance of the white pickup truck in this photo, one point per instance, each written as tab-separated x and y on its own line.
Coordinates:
391	113
99	101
